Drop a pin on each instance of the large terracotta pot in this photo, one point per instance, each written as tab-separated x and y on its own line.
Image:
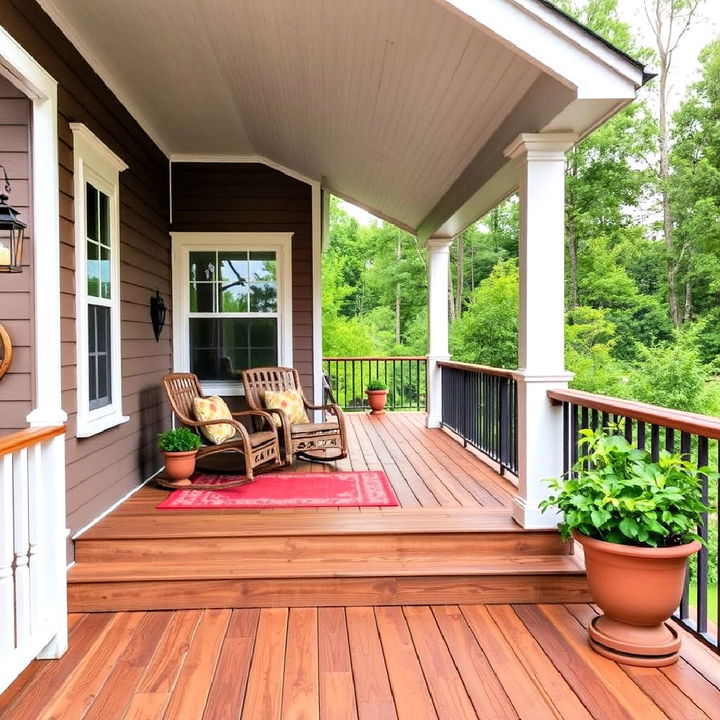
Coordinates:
637	589
376	401
179	466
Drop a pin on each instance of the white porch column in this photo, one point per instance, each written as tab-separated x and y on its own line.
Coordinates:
541	166
438	269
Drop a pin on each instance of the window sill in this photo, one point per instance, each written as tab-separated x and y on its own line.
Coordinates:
88	428
224	388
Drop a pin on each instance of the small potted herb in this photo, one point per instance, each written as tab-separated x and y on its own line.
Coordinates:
179	448
377	396
636	519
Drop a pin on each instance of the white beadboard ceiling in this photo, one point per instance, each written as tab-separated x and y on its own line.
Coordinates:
403	106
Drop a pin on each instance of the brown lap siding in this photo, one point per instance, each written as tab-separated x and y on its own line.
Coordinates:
250	197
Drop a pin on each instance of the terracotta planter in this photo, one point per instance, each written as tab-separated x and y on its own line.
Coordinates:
637	589
376	401
179	466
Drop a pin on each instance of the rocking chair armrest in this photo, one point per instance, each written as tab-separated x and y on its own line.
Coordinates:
330	407
250	413
239	427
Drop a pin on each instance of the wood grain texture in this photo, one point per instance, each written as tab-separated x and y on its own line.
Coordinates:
411	663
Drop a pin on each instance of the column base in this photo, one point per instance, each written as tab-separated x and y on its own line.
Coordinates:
529	516
433	421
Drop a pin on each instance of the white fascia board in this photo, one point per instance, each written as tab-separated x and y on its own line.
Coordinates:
250	159
555	45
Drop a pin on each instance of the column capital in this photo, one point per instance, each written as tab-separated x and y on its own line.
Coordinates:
540	146
439	244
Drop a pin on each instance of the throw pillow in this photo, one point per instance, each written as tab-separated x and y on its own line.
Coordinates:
288	400
214	408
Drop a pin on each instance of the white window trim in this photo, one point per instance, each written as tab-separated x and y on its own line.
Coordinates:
185	242
97	164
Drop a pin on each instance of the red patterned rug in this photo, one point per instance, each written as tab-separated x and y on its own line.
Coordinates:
283	490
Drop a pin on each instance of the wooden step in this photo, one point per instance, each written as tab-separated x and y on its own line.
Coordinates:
259	569
388	546
326	592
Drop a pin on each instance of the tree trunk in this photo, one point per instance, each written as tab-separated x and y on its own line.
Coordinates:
451	294
687	314
460	274
572	237
397	294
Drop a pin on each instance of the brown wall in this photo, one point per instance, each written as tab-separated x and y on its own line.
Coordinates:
103	468
245	197
16	289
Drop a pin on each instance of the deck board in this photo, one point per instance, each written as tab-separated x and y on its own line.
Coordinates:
496	663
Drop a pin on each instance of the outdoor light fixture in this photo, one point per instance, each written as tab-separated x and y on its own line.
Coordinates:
157	314
11	233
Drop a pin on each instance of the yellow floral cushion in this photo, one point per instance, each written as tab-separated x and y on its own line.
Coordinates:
288	400
214	408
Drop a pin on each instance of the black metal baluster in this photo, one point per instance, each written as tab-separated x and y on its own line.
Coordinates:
702	556
654	442
685	447
640	435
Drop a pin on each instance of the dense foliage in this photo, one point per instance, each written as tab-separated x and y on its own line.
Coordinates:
618	494
180	439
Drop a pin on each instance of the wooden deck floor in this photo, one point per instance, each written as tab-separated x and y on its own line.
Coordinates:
359	663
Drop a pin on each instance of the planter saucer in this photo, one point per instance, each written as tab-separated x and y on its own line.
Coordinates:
661	646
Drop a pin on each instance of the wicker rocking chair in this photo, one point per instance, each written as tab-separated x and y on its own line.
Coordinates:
324	441
258	448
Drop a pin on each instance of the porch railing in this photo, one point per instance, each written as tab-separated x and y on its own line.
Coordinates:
479	403
33	608
655	428
405	378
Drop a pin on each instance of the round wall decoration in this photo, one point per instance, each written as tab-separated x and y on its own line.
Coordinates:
5	351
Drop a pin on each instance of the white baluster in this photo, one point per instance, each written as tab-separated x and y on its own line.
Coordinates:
22	545
7	553
37	538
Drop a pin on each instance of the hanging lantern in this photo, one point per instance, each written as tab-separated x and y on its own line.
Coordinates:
157	314
11	233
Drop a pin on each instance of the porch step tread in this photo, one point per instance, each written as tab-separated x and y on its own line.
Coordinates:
233	523
102	572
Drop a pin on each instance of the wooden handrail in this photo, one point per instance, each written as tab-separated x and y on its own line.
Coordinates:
26	438
374	359
703	425
485	369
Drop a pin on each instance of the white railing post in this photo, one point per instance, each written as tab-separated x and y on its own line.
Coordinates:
55	571
438	324
7	556
540	160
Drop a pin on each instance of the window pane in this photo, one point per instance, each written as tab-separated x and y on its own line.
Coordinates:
263	297
104	219
233	267
233	299
93	275
201	297
105	272
220	348
91	214
263	267
99	370
202	266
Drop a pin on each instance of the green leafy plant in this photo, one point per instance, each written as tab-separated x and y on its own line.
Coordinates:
178	440
617	493
376	385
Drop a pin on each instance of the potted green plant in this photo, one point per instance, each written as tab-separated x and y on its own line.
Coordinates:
179	448
376	392
636	520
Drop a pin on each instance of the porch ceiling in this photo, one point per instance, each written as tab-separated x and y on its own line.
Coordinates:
403	106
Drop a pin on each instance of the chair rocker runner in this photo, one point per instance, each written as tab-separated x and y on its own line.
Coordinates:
258	448
324	441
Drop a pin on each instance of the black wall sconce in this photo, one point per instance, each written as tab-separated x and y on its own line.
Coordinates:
11	233
157	314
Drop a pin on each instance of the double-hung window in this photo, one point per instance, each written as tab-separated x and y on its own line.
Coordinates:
233	311
97	283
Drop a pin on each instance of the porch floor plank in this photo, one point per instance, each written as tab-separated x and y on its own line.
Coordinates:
363	663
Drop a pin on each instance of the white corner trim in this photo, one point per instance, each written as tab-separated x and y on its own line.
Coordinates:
23	71
317	240
182	244
57	16
89	143
242	159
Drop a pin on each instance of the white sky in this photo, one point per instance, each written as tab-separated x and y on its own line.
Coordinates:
686	68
